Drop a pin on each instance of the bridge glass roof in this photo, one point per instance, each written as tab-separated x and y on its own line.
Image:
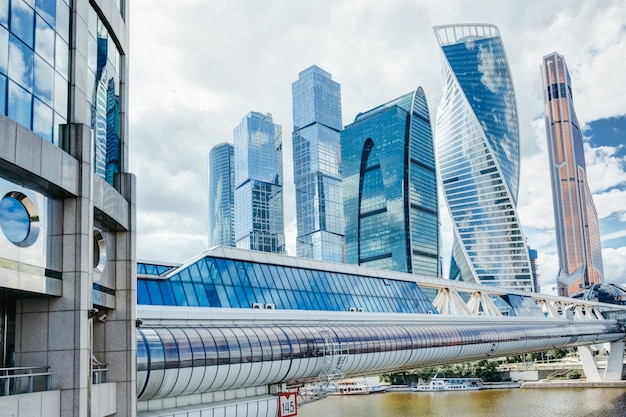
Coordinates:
211	281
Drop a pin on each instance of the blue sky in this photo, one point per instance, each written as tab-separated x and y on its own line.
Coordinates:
210	62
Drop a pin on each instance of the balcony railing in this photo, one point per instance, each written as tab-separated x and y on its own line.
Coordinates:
99	373
23	380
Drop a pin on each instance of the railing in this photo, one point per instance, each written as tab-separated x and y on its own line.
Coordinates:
99	373
24	380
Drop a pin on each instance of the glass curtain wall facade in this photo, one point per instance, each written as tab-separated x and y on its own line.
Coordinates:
390	188
575	216
222	195
34	64
259	213
103	62
478	149
317	166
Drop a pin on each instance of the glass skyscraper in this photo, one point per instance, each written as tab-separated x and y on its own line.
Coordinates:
317	166
221	195
390	188
478	148
575	216
259	184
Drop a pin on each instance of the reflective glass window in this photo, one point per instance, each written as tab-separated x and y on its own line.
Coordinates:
20	63
210	347
243	344
44	82
235	350
63	19
212	295
4	12
183	348
47	10
155	347
4	50
197	347
142	354
224	272
42	120
23	21
223	296
190	294
179	293
170	348
3	93
44	40
20	102
201	293
143	297
168	293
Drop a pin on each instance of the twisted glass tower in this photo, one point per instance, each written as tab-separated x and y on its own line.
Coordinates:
575	216
259	184
317	166
390	188
478	147
221	195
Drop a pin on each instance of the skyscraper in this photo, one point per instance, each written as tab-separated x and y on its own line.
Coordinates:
575	216
478	147
317	166
221	195
259	184
67	210
390	188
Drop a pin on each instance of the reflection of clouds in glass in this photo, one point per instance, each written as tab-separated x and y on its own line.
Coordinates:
4	14
493	68
44	41
14	220
20	65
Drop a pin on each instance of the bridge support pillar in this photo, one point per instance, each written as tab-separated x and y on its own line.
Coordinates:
614	364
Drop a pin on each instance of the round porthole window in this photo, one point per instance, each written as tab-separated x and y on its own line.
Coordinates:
19	219
99	251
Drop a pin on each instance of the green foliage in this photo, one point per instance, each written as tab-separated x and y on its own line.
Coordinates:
574	375
487	370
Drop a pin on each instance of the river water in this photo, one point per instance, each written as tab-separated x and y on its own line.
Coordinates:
546	402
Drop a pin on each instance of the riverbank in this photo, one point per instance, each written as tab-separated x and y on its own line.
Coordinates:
572	384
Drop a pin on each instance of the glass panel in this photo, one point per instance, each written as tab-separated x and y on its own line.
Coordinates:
3	94
170	349
168	294
23	21
4	50
63	20
44	40
44	81
20	63
4	13
47	10
143	297
19	105
60	94
190	294
14	219
179	293
42	120
62	58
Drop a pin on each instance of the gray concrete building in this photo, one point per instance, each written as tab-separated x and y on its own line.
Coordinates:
67	214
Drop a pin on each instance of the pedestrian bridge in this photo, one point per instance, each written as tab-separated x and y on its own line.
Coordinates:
226	330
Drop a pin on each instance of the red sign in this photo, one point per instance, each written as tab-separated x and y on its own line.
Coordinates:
287	404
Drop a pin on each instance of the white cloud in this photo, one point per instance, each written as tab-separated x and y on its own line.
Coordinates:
614	266
604	168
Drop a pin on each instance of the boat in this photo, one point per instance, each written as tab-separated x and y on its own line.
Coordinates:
358	386
450	384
